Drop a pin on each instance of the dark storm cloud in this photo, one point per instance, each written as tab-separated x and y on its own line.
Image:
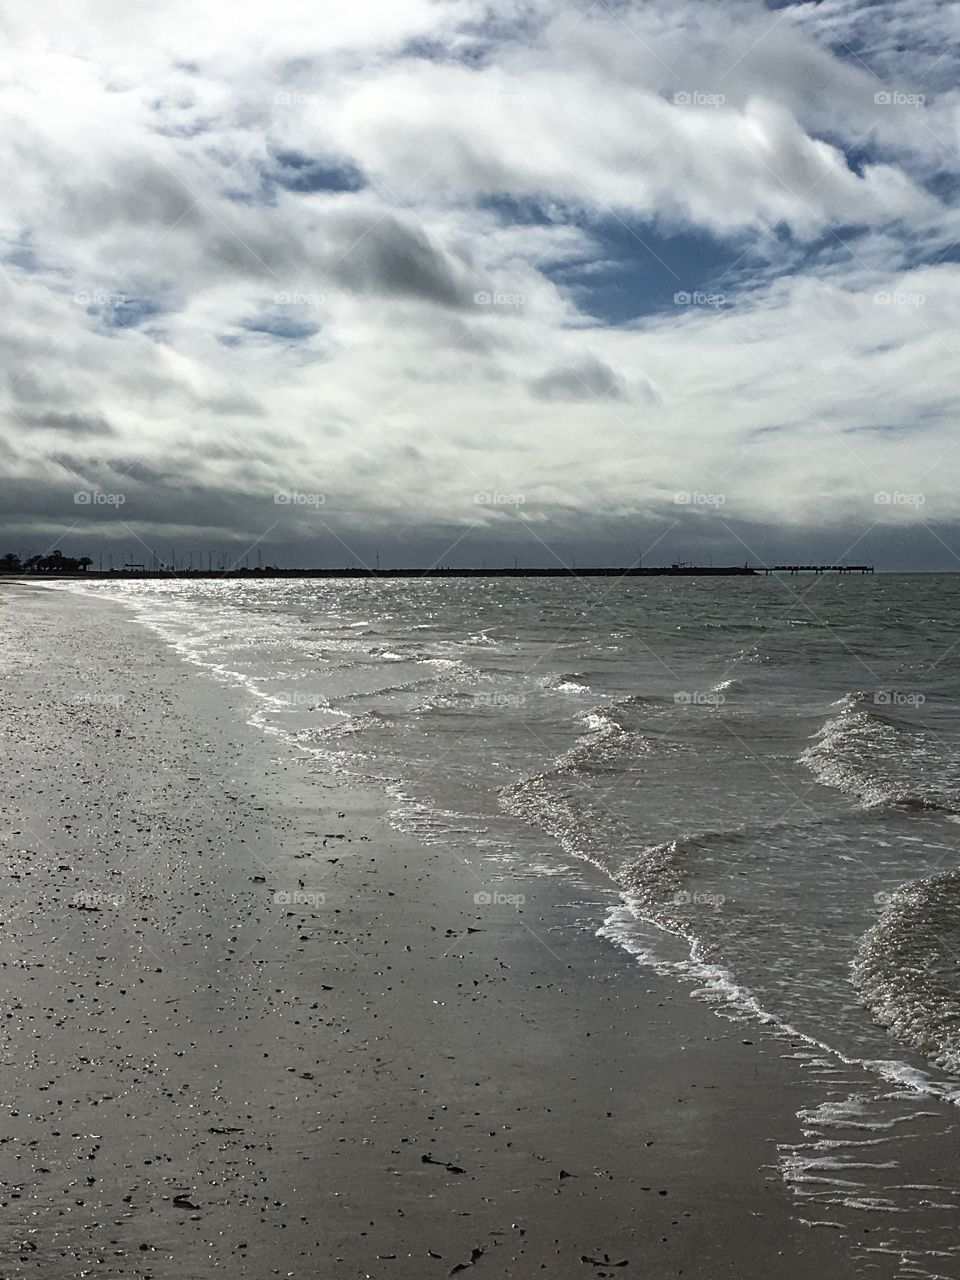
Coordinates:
384	253
73	424
583	380
139	190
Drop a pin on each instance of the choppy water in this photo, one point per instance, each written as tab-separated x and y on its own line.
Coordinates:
765	773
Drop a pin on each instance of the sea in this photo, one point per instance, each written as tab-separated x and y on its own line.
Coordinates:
757	780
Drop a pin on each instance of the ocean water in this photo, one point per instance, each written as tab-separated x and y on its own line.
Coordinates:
762	775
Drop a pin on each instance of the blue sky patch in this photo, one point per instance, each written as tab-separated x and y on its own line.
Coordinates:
296	171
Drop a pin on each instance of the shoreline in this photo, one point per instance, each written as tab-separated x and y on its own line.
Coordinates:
371	1075
628	571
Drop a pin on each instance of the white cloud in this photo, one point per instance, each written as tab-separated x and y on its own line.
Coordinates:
178	320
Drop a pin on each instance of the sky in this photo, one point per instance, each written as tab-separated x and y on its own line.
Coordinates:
462	283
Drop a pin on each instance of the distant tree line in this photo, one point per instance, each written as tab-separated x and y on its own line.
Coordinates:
54	562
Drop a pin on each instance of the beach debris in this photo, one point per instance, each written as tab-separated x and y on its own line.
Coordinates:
565	1174
450	1168
475	1255
183	1201
604	1262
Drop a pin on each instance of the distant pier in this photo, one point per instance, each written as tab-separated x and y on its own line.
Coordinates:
819	568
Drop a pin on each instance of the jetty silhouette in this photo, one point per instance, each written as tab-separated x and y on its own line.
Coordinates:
56	564
561	571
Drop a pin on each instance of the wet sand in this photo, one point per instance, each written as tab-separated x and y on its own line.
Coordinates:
249	1030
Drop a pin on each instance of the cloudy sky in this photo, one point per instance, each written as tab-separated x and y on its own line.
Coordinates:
463	281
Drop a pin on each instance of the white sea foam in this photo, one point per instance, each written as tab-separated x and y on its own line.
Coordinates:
566	682
864	751
906	968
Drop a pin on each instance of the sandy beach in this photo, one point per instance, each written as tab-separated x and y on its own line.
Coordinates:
250	1030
